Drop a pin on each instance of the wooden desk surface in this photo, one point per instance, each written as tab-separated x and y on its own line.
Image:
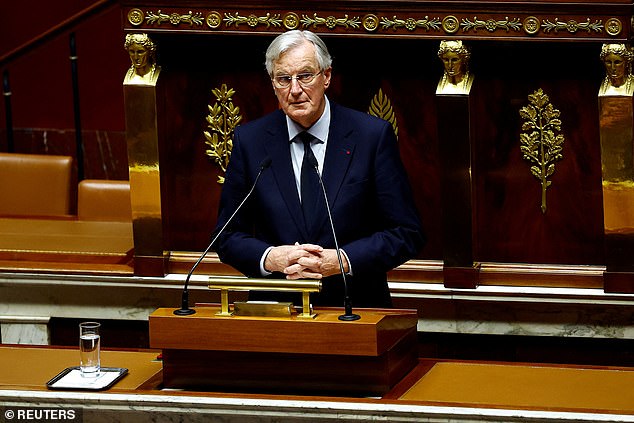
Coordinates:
544	387
60	235
459	388
31	367
66	245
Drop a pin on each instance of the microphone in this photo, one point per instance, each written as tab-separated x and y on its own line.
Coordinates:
185	310
347	304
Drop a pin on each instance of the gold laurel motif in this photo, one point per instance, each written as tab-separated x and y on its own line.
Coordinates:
159	18
531	25
370	22
613	26
540	143
214	20
381	107
222	120
135	17
411	24
330	21
252	20
572	26
291	20
490	25
450	24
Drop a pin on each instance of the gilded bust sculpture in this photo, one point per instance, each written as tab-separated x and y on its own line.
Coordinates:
456	78
617	59
142	51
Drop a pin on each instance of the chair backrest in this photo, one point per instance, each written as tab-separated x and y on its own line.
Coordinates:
104	200
35	184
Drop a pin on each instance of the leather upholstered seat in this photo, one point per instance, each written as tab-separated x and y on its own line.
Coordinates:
35	184
106	200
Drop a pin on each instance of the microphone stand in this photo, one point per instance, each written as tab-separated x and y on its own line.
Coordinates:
185	310
348	315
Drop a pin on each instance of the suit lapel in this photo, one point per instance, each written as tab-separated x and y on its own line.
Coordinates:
339	153
278	148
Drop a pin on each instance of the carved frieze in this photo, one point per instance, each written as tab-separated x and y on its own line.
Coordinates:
414	23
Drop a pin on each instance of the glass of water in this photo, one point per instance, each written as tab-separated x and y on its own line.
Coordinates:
89	344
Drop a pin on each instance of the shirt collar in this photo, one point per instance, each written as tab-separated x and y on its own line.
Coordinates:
319	130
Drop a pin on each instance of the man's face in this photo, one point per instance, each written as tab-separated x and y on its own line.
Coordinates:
305	103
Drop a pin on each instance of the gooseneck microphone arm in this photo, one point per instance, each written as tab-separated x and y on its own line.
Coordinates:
185	310
347	304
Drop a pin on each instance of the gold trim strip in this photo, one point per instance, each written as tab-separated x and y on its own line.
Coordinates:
330	21
174	18
58	252
252	20
411	24
449	24
491	25
572	26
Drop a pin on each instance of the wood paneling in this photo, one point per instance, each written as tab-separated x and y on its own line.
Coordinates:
510	59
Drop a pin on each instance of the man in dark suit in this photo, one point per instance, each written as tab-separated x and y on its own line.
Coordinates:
284	230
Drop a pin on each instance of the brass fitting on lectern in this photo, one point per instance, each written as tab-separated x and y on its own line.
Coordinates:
235	283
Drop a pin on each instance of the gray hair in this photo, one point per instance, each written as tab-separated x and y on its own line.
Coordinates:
295	38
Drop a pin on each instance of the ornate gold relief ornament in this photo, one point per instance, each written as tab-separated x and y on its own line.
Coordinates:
330	21
613	27
531	25
450	24
291	20
491	25
222	120
213	19
381	107
541	144
135	16
371	22
412	24
175	18
572	26
268	20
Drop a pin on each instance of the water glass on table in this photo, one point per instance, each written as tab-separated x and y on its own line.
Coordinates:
89	345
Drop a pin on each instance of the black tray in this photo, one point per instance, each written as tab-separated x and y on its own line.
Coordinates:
70	378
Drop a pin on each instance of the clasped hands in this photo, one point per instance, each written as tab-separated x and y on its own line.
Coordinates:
304	261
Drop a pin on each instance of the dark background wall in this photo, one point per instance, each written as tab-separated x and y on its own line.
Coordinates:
509	225
41	85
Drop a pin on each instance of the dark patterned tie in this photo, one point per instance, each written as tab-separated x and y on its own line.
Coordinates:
309	182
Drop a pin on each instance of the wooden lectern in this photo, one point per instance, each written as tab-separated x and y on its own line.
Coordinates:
322	356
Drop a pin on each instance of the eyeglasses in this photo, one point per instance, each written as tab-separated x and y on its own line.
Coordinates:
304	79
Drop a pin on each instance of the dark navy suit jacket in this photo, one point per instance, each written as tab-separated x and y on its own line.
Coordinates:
374	215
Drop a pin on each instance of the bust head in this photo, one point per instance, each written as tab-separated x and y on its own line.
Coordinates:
142	52
455	59
617	59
